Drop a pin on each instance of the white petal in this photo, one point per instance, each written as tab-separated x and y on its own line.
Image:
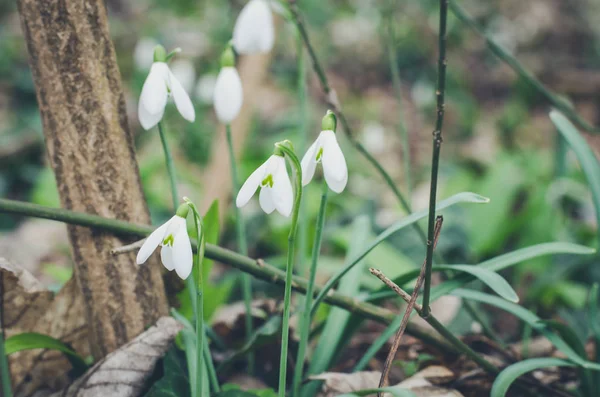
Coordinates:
266	200
166	257
254	31
228	95
252	183
154	92
149	120
282	193
182	99
309	163
152	241
182	254
334	163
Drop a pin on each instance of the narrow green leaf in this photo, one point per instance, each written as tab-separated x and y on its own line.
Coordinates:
492	279
510	374
331	337
567	333
585	155
464	197
507	260
530	318
32	340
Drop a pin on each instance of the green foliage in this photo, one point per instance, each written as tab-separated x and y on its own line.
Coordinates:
585	155
32	340
174	382
510	374
330	343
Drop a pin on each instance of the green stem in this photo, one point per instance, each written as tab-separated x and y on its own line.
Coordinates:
4	368
200	339
289	272
302	139
210	366
170	166
332	100
297	18
397	84
189	282
511	61
306	319
258	269
435	157
240	227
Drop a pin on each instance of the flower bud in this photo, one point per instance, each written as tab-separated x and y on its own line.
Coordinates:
160	54
228	57
329	122
183	210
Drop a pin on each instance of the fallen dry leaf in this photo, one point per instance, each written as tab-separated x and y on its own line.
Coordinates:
425	383
336	383
123	373
27	307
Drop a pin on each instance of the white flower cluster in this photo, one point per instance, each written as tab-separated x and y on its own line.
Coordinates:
253	33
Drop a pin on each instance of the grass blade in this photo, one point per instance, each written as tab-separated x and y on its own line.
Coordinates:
512	258
530	318
331	337
464	197
585	155
510	374
33	340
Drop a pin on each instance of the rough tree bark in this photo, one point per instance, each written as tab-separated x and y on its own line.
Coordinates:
90	148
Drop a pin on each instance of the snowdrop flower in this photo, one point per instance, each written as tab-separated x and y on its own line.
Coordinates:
228	94
172	236
159	85
326	150
254	31
276	188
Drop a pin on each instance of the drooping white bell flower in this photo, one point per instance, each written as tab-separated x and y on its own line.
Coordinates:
159	85
276	188
254	32
228	94
176	251
327	151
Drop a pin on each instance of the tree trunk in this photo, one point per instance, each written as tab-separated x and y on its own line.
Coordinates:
90	148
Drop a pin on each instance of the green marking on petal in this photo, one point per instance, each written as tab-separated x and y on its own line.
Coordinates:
267	181
319	154
169	240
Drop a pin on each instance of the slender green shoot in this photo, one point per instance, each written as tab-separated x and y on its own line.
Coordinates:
210	366
170	165
306	315
286	148
200	339
240	227
4	368
435	157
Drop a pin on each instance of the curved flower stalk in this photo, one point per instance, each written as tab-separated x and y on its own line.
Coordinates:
276	191
176	250
285	148
228	94
254	32
158	87
327	151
